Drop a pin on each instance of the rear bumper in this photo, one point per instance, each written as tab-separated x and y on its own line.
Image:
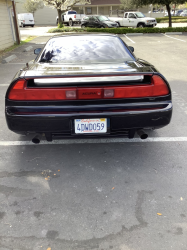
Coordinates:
151	25
58	122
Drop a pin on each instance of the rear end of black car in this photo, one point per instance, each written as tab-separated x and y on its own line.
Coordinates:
93	101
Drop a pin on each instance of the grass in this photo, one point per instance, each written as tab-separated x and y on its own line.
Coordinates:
30	38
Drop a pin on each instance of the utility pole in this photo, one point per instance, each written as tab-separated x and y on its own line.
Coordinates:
15	23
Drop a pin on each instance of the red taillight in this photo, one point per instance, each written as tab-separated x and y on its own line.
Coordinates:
20	91
74	16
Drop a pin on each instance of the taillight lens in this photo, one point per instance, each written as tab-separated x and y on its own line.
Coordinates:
20	91
74	16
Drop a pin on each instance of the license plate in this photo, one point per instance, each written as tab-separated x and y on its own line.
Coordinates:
90	126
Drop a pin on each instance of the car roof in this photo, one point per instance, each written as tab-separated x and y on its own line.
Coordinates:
133	11
95	15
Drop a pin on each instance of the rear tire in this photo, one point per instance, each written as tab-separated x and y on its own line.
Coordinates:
83	26
32	26
70	23
118	24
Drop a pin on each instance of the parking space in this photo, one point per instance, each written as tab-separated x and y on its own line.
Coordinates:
103	194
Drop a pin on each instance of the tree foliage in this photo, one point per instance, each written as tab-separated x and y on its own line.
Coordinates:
32	6
167	3
127	5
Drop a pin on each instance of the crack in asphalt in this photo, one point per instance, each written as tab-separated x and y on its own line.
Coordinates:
22	243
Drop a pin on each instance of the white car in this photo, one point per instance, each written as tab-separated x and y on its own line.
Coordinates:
26	19
71	17
172	13
135	19
184	13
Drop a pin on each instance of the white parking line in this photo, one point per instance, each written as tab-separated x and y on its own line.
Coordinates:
4	85
174	38
95	141
128	38
17	63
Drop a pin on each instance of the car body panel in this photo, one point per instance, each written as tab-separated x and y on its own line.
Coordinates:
55	119
94	22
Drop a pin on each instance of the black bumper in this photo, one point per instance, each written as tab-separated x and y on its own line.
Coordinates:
58	122
151	25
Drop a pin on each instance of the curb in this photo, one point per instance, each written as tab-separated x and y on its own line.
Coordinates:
173	33
9	58
28	49
134	34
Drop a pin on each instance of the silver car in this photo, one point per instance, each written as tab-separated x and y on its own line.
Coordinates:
184	13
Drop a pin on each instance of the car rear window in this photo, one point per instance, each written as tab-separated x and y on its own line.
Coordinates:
72	12
85	49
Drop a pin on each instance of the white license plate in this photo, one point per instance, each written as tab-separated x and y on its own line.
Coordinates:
90	126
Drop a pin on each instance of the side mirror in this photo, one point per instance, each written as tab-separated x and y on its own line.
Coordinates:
131	49
37	51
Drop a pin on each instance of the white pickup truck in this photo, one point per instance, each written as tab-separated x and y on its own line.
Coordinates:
134	19
71	17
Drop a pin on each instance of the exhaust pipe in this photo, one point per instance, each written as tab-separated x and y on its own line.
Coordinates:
142	134
36	139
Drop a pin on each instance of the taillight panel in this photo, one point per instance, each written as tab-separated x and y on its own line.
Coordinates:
20	92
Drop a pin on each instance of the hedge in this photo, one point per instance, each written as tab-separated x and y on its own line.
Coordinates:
65	29
164	19
175	21
119	30
138	30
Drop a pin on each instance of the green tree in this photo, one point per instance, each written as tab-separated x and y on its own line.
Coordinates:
167	3
127	5
32	6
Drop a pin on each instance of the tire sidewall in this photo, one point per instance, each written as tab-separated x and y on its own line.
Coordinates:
141	25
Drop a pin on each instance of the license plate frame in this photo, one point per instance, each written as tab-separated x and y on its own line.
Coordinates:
90	126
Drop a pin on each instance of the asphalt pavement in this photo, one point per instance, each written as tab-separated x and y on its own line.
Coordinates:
102	194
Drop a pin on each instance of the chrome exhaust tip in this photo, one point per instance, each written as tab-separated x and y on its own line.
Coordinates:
36	139
142	134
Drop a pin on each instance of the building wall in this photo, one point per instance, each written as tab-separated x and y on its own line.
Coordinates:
6	25
47	15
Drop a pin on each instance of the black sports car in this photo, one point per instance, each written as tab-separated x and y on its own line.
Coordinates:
87	86
98	22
